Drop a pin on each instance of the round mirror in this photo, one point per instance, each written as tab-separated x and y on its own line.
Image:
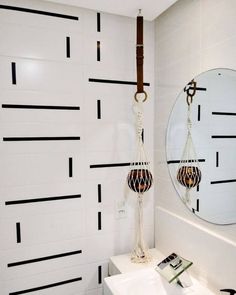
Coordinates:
201	146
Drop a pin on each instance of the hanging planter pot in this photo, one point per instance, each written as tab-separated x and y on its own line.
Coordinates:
189	176
139	180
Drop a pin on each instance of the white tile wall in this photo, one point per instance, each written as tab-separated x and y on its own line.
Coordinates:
192	36
39	169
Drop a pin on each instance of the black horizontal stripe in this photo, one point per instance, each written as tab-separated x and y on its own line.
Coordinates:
47	199
224	113
115	82
39	107
189	161
198	88
47	13
46	286
116	165
223	181
223	136
44	138
44	258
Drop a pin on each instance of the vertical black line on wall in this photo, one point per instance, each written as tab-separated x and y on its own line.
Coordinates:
99	193
68	47
98	51
98	22
99	109
13	72
197	209
217	159
18	233
198	188
99	220
99	274
70	167
199	113
143	135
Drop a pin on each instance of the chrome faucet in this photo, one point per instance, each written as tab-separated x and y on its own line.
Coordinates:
231	291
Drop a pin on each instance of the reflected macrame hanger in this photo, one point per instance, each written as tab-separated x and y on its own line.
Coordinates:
140	178
189	173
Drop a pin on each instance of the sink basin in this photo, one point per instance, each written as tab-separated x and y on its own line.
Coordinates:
149	282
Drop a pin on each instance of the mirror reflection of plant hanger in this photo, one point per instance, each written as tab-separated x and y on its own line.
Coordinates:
189	174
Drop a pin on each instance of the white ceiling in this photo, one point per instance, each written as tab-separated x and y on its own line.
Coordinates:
150	8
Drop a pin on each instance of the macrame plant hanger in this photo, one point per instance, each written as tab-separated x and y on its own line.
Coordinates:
140	178
189	173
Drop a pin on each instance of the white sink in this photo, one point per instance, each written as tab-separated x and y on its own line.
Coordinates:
148	282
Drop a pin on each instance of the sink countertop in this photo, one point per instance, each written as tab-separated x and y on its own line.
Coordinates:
149	282
122	263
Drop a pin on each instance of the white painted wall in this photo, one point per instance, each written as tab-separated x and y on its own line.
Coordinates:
29	170
191	37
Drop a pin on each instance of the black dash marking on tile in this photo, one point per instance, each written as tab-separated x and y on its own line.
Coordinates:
197	209
41	138
223	136
116	165
18	233
98	109
198	187
98	22
143	135
68	47
193	210
115	82
70	167
99	220
198	88
13	73
98	51
39	107
47	13
99	193
99	274
224	113
189	161
43	258
199	113
46	286
217	159
223	181
38	200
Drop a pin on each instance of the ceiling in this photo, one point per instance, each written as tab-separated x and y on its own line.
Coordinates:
150	8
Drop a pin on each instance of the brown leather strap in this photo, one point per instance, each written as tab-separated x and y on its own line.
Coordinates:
139	54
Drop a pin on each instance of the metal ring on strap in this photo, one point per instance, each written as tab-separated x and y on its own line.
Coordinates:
143	92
